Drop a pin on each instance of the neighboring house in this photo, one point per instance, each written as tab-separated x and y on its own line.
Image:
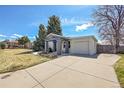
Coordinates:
11	43
15	44
75	45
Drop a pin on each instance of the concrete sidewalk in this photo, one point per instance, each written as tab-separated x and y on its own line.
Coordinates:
66	72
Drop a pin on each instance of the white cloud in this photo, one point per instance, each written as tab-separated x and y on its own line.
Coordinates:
2	35
99	41
13	36
64	21
72	21
10	36
17	35
1	39
83	26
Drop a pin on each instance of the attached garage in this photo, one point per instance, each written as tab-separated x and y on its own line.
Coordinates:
83	45
79	47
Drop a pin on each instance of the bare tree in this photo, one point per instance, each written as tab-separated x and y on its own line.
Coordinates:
110	21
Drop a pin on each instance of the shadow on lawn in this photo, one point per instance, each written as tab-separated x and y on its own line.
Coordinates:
27	52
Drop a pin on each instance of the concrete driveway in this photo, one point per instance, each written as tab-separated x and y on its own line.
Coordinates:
66	72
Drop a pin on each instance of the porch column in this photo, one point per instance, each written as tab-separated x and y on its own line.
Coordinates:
59	44
67	46
46	46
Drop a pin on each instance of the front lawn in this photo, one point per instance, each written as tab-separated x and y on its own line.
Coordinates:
15	59
119	68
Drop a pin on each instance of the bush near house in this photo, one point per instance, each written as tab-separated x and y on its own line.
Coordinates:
2	45
50	50
39	43
23	40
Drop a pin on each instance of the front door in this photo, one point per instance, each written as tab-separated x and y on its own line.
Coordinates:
65	47
54	45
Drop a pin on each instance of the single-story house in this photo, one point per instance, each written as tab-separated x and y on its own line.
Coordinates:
11	44
72	45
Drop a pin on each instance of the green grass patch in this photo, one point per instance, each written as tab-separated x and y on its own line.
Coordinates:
119	68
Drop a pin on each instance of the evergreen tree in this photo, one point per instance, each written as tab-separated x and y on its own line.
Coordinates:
39	44
23	40
54	25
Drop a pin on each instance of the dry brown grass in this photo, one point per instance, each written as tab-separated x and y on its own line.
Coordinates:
15	59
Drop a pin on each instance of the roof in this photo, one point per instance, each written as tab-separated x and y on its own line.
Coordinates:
51	34
10	41
81	37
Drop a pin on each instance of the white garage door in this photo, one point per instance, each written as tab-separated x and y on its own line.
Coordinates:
79	47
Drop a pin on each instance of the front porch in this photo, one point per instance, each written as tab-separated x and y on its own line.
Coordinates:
57	44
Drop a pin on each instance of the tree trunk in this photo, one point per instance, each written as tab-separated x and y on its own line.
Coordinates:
117	42
117	46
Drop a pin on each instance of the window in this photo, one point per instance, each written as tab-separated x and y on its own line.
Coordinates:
69	44
64	45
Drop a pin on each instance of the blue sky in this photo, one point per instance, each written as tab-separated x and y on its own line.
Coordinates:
16	21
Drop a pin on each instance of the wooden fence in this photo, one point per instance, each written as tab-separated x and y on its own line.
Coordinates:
108	49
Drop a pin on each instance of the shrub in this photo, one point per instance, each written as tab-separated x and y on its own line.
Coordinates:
50	50
2	46
121	52
37	46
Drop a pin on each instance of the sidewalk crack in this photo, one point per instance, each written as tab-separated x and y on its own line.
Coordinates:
34	79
